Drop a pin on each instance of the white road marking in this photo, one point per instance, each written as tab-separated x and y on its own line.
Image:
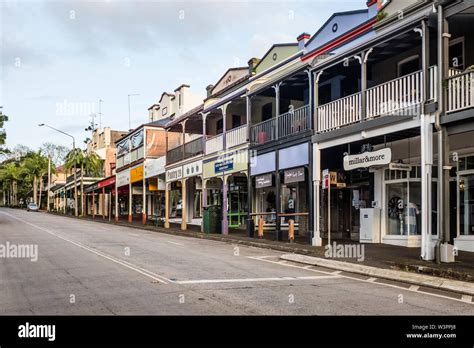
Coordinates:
365	281
371	280
241	280
175	243
414	287
337	272
126	264
134	234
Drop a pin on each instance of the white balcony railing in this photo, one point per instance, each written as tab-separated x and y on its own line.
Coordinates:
236	136
401	96
214	144
339	113
460	91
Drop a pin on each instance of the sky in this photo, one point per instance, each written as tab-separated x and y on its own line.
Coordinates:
59	58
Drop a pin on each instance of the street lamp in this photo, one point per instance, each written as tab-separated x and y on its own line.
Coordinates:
129	117
75	174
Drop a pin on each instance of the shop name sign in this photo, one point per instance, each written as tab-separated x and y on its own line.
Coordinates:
222	166
294	175
174	174
368	159
263	181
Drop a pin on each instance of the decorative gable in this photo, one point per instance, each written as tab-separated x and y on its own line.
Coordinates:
231	76
276	54
338	24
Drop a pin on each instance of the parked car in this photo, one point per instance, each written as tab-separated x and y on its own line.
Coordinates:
32	207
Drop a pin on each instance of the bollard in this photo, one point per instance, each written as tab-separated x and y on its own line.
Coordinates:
291	230
260	228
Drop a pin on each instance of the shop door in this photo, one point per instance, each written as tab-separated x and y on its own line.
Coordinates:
466	204
233	215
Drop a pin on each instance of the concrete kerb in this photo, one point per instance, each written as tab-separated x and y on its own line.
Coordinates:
410	278
300	255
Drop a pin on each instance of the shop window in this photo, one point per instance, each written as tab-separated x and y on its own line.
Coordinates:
403	199
466	204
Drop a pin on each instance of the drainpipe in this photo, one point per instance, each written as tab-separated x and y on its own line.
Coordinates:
443	169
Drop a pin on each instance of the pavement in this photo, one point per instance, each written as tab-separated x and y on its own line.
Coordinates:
88	268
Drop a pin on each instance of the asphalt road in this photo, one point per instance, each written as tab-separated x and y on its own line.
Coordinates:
85	267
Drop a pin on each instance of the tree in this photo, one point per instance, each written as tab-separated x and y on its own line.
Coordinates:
57	153
3	133
36	165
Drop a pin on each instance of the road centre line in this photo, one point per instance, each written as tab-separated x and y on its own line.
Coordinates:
126	264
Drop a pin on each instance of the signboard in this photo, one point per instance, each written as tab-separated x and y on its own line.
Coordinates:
399	166
174	174
154	167
136	174
294	175
337	178
222	166
107	182
325	179
123	178
368	159
229	163
262	181
192	169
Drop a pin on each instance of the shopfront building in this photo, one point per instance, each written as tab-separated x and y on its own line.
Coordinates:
280	184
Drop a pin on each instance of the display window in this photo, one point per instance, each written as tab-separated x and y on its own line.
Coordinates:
465	189
403	201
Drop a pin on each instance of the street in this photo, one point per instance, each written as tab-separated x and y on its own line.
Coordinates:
85	267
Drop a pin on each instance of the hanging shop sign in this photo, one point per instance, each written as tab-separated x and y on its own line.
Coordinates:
337	179
325	179
368	159
156	184
174	174
136	174
262	181
123	178
400	166
192	169
294	175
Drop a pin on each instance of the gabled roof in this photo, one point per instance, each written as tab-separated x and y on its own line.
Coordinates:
226	74
336	14
273	46
172	96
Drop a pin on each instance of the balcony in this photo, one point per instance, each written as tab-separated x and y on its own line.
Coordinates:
182	152
214	144
290	123
460	91
401	96
236	136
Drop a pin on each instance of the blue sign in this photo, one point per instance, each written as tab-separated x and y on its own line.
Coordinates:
222	166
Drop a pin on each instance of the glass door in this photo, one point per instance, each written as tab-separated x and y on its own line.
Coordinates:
466	203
